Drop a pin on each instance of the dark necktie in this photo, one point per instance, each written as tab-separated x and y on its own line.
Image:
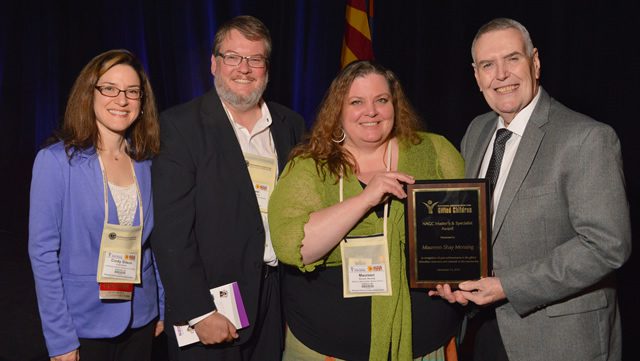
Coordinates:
493	171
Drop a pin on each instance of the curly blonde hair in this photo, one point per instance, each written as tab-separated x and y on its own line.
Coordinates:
321	146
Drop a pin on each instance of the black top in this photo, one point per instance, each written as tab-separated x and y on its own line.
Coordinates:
322	319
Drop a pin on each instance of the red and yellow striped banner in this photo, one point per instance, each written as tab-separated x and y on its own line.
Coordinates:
357	35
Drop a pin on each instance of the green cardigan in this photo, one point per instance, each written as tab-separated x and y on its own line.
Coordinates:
301	191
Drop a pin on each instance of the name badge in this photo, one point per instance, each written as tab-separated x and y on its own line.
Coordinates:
120	251
262	171
367	277
120	254
365	266
263	191
120	265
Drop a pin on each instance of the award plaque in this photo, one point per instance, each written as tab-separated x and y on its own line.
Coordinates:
448	227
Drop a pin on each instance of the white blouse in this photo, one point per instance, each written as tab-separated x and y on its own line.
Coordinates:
126	200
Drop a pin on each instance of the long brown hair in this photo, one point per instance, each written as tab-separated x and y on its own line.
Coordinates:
79	130
321	147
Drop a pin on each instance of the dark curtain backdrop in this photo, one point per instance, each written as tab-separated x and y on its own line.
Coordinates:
589	53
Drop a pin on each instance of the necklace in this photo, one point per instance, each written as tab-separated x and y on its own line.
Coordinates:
115	157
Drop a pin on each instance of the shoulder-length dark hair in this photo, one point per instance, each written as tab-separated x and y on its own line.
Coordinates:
79	130
332	156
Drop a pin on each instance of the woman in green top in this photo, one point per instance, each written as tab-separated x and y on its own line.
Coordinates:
366	139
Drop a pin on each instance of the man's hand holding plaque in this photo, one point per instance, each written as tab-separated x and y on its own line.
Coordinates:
481	292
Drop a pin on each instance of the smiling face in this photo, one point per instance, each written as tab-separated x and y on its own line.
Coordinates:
115	115
367	112
240	86
506	75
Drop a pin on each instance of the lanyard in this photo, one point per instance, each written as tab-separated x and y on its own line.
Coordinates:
386	204
105	191
365	260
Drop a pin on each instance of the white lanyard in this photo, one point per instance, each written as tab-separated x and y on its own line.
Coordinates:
365	260
386	204
106	194
119	259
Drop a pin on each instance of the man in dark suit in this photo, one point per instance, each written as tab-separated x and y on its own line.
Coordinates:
219	160
560	214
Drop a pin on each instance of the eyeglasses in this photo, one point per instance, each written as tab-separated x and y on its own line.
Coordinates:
235	60
112	92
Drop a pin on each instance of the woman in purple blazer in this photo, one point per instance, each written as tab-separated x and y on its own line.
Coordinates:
91	213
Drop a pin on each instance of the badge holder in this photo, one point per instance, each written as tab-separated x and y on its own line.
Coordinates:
120	252
365	260
365	265
262	171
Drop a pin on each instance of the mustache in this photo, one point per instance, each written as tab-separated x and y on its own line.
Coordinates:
237	100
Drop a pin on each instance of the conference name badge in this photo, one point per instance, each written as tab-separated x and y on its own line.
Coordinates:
120	265
120	255
365	266
365	276
262	171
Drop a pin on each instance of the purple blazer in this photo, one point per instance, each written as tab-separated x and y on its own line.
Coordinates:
66	217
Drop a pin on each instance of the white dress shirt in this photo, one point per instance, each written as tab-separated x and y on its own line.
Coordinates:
259	142
517	127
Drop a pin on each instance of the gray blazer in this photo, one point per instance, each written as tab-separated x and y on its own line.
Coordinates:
561	229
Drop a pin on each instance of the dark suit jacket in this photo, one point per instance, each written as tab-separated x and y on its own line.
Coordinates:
561	229
209	231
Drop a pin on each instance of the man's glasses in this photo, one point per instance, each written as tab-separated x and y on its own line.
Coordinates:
112	92
235	60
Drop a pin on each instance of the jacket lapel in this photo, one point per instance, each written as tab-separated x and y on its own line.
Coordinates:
144	183
474	159
281	139
89	164
224	141
525	155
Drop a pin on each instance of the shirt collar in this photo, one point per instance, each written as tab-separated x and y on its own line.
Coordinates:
262	123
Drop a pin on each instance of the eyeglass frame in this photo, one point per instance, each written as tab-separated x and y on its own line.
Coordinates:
100	87
247	58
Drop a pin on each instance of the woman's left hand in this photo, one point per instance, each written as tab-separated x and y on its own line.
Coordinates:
159	328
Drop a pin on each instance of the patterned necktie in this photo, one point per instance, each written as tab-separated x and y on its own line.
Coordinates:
493	171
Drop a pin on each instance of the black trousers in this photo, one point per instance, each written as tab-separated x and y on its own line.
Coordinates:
488	344
133	345
267	340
